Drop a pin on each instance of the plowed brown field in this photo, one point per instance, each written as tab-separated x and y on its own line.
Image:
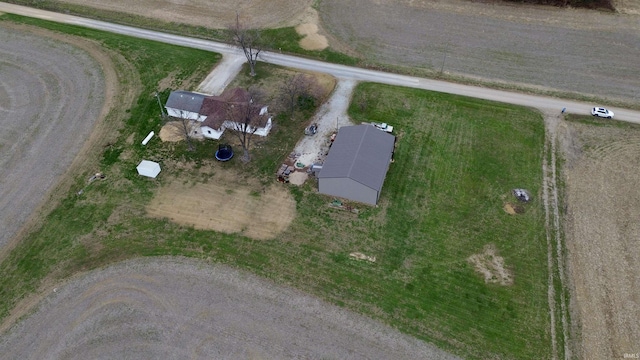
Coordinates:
603	235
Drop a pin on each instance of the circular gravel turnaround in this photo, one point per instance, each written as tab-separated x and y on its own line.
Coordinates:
177	308
51	94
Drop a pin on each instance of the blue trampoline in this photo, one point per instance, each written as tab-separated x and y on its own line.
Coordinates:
224	152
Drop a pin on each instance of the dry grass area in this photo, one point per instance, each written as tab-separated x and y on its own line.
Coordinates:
224	204
602	236
491	266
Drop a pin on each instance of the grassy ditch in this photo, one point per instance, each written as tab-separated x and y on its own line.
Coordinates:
456	163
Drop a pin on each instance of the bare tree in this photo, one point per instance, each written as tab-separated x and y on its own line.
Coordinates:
245	118
247	39
297	87
186	128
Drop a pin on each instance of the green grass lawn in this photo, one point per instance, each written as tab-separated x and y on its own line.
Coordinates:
456	163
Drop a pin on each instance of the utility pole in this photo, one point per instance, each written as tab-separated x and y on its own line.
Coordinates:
164	116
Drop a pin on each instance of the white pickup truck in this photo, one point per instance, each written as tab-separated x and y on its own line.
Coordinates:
383	126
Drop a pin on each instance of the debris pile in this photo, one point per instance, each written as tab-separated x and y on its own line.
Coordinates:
361	256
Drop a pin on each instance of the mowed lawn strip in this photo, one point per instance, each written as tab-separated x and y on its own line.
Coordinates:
456	163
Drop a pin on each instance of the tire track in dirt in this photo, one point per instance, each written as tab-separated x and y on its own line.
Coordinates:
176	308
602	239
55	95
554	236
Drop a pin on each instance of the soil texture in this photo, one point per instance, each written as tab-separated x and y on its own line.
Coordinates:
175	308
52	93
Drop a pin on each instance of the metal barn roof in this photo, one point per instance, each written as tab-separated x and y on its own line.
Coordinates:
361	153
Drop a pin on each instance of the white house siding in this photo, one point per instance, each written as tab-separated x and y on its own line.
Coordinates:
263	131
183	114
348	189
210	133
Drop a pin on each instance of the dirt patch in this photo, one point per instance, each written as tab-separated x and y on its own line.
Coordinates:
361	256
509	208
309	28
223	205
298	177
491	266
172	131
513	209
312	40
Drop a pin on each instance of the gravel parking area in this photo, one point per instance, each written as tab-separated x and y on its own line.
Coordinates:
51	95
175	308
330	117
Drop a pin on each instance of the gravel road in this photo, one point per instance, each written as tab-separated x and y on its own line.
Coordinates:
224	72
51	94
176	308
346	72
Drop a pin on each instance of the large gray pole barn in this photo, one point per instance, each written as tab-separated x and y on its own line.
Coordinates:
357	164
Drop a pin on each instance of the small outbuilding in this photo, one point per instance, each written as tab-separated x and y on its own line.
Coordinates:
148	168
357	164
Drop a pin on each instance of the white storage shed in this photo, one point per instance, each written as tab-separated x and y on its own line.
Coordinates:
148	168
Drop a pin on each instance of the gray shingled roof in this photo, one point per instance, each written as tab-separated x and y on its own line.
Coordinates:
361	153
185	100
